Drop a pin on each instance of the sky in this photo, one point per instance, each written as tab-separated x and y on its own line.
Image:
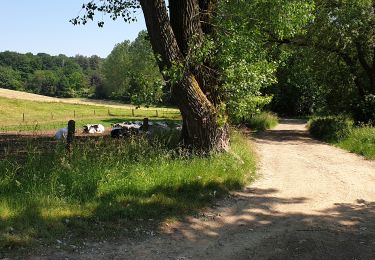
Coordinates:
43	26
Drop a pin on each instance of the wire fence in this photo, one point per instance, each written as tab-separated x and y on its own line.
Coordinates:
50	119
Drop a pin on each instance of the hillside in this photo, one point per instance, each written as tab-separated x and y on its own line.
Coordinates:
13	94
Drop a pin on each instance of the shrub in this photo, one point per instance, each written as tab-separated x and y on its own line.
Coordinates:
365	111
330	128
262	121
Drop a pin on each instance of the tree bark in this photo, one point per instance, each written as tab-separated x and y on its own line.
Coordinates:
201	129
185	22
206	10
190	21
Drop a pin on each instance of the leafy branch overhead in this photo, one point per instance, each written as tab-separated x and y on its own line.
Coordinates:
124	9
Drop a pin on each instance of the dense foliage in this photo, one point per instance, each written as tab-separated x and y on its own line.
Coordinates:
131	73
330	68
246	57
294	57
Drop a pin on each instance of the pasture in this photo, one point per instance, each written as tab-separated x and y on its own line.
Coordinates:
32	116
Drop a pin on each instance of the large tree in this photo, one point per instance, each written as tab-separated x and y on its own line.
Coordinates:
173	37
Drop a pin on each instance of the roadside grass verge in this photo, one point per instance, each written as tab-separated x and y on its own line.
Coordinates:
262	121
107	184
341	132
360	141
26	115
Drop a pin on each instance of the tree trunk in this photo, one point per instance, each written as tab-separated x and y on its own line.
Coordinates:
201	129
190	20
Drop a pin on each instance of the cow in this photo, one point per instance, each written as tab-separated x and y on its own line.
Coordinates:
93	129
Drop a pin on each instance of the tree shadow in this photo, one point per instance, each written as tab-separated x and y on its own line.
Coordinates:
115	211
343	231
285	136
292	121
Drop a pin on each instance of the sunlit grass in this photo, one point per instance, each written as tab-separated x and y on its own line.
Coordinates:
28	115
361	141
262	121
341	132
105	181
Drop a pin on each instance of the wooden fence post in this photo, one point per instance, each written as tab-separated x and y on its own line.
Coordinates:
157	113
23	117
133	112
70	137
145	125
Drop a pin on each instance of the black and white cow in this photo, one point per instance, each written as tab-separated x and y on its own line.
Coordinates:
93	129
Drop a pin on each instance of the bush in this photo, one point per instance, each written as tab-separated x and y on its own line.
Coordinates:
365	111
262	121
331	128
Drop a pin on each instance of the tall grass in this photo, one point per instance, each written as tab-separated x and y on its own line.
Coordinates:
360	141
107	181
341	132
262	121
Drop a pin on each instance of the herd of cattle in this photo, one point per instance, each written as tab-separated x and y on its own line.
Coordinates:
124	129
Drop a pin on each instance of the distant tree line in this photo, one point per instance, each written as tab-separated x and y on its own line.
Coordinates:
57	76
129	74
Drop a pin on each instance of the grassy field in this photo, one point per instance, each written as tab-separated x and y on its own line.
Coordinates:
26	115
109	184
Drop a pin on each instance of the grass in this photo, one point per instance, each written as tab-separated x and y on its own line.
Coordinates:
340	131
361	141
107	183
262	121
25	115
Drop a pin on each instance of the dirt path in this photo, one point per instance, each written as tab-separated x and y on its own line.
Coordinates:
311	201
